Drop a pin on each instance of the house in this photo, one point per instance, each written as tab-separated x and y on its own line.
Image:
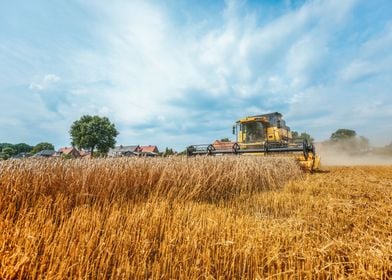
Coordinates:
69	152
44	154
85	154
223	145
22	155
149	151
124	151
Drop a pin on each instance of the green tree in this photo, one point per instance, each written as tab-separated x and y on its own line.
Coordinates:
22	148
182	153
343	134
93	132
7	152
301	137
3	156
168	152
4	145
42	146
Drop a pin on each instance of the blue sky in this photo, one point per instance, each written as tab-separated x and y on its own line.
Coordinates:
175	73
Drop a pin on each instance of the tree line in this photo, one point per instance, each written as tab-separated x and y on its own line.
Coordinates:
8	150
97	135
92	133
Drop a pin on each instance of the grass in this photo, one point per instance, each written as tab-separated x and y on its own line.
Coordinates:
197	218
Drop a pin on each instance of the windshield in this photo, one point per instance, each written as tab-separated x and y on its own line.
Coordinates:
254	132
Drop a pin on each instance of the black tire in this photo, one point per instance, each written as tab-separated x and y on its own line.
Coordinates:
235	148
306	149
189	151
210	149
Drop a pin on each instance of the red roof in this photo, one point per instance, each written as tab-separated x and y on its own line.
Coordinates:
66	150
69	151
149	149
222	145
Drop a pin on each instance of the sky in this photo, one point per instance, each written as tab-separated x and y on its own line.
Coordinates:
175	73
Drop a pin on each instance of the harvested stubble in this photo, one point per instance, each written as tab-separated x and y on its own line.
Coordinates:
204	218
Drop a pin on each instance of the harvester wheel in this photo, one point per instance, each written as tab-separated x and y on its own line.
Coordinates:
210	149
313	150
305	149
236	147
190	150
266	147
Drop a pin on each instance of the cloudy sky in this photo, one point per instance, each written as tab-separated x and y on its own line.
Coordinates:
175	73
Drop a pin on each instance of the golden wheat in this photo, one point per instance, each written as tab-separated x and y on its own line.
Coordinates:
193	218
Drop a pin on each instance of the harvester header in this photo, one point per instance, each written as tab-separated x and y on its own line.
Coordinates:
262	135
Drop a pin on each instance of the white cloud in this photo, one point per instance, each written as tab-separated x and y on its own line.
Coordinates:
155	78
150	61
374	58
46	82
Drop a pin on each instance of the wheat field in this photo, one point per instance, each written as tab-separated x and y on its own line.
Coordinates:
193	218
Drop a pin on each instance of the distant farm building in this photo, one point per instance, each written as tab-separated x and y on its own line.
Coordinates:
45	154
124	151
22	155
69	152
222	145
85	154
149	151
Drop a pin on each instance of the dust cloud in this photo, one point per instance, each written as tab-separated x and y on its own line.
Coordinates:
333	155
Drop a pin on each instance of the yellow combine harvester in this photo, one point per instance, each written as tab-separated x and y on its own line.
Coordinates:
262	135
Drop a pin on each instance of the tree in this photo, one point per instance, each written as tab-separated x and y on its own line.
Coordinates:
22	148
7	152
183	153
346	140
300	137
3	156
93	132
42	146
343	134
4	145
168	152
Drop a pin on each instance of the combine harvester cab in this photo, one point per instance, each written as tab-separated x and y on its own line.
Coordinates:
263	135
